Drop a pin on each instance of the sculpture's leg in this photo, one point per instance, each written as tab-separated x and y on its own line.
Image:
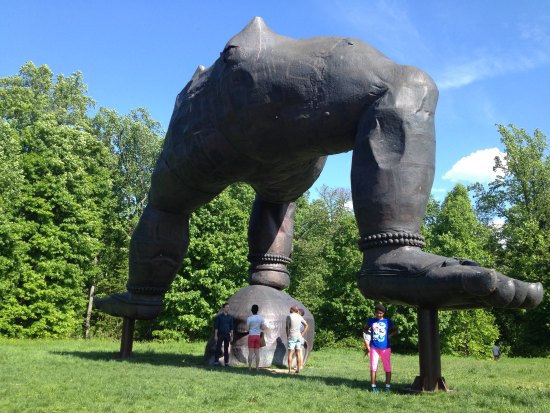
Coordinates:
271	227
270	234
392	174
157	247
394	157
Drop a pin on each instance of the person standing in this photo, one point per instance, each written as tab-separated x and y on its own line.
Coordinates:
496	352
223	334
381	330
255	324
293	323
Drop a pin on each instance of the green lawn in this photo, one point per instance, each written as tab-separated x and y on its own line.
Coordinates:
82	376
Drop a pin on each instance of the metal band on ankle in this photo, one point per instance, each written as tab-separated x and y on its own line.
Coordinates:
269	259
146	290
384	239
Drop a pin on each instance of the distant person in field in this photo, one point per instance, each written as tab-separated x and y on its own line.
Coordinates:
381	331
496	352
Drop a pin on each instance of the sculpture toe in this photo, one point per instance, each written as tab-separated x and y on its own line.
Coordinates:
504	293
534	296
480	283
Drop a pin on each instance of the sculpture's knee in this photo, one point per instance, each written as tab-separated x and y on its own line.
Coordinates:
401	125
415	92
270	237
157	249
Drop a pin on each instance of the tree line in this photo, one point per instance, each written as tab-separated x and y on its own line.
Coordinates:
74	181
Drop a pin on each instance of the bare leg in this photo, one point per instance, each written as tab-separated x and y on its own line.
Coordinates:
392	174
373	377
250	357
298	361
257	355
290	355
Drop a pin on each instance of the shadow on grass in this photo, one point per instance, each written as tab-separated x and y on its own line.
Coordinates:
192	360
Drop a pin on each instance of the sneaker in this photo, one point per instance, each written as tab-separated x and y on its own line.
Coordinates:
375	389
387	389
216	363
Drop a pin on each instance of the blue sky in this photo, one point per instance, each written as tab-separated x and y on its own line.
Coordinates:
490	59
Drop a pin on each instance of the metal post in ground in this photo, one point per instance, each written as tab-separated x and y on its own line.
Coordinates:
127	341
429	353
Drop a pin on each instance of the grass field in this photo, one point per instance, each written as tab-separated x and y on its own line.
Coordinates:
82	376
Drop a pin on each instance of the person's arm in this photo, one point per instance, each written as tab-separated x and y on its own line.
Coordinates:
393	331
216	322
366	336
305	327
287	326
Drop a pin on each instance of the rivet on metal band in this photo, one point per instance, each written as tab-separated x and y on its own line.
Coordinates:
391	239
269	259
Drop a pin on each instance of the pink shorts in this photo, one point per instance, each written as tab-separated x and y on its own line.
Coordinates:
375	354
253	341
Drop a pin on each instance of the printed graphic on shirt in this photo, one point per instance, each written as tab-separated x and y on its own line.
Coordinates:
379	332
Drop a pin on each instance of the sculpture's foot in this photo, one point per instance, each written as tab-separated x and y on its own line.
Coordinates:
136	306
407	275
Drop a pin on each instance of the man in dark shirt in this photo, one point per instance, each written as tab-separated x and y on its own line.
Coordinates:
223	333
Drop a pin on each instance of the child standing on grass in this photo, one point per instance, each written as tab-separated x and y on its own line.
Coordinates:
381	330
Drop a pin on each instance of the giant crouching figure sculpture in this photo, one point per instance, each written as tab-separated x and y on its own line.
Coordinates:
268	112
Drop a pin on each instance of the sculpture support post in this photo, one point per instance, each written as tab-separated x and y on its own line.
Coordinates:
127	341
430	378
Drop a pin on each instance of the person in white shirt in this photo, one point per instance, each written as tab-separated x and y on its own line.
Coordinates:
293	323
255	324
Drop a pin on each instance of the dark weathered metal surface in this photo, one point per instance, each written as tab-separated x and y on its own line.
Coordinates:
268	112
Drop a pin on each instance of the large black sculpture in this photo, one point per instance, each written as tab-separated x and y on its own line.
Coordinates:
268	112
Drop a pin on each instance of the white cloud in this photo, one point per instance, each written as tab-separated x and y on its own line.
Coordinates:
476	167
487	66
533	52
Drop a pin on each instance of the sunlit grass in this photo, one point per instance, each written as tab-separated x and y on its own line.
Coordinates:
78	376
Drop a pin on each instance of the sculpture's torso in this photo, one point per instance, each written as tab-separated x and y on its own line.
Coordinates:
285	99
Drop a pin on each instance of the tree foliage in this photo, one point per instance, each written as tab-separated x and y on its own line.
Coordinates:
134	142
520	197
64	185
